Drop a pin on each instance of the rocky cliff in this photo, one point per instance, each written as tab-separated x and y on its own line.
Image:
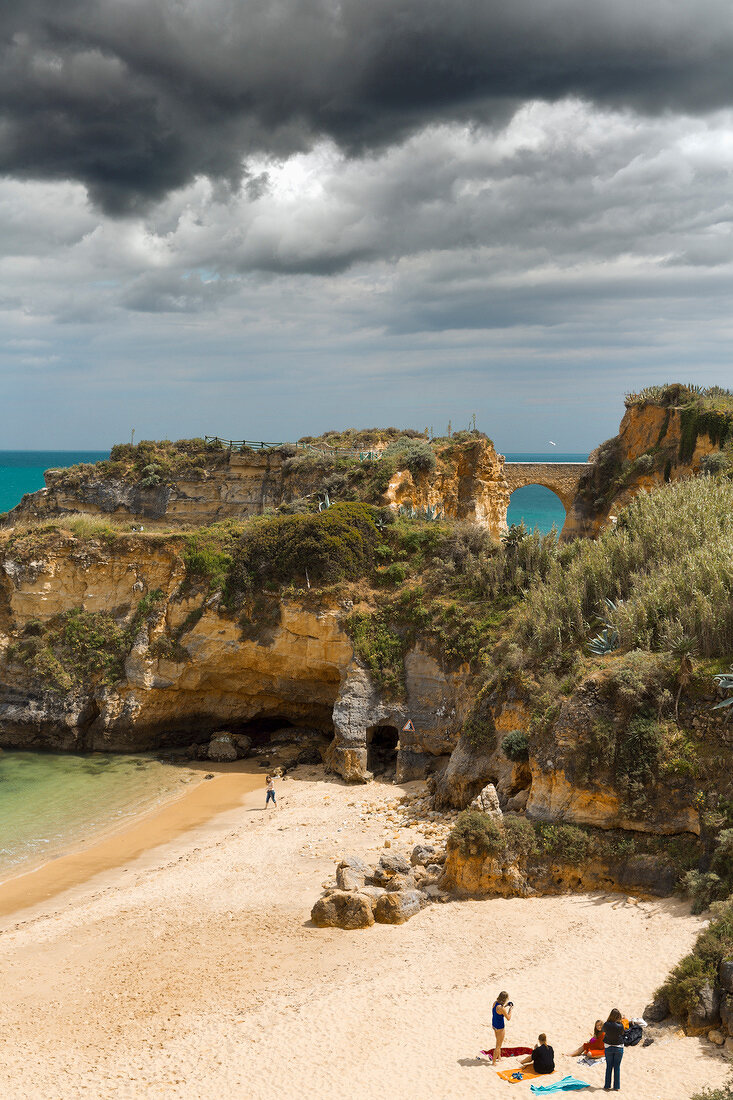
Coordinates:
184	487
110	647
109	644
663	437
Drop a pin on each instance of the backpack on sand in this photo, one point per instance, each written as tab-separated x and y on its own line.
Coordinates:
632	1035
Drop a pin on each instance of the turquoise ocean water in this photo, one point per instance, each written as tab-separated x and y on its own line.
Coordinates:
22	471
535	505
49	802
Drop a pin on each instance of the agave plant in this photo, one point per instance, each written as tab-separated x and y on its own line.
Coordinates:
724	680
605	642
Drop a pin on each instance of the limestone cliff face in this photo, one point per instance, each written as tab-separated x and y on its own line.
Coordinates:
190	668
241	485
648	450
468	484
477	876
570	776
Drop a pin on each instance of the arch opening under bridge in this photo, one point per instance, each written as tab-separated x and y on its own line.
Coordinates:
561	478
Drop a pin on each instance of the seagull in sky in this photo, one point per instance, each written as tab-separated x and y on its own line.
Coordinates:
551	443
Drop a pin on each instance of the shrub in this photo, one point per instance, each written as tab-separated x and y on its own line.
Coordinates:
521	838
416	455
394	573
638	748
700	968
329	546
381	648
515	745
714	463
567	843
725	1092
476	834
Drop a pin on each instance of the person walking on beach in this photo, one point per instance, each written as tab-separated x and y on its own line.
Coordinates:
270	792
613	1041
501	1011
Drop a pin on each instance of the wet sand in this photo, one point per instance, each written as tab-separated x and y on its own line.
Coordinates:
108	850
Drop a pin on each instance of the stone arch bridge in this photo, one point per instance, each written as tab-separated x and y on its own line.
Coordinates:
563	478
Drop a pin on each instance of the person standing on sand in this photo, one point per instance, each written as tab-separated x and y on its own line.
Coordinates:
613	1040
501	1011
270	792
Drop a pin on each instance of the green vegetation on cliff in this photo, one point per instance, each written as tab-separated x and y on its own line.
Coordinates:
147	463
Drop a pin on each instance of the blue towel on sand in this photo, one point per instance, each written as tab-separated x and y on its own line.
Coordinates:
567	1084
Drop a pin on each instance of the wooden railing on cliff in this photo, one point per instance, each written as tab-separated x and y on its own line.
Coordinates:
261	445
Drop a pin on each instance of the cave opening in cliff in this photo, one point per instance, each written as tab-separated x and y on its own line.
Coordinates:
261	730
382	744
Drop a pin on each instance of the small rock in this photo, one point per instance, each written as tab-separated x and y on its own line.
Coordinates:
716	1037
422	854
401	882
657	1010
434	869
398	907
342	910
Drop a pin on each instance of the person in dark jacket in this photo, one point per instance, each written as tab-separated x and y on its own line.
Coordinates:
542	1058
613	1042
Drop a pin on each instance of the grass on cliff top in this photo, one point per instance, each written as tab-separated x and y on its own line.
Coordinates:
675	394
148	463
667	564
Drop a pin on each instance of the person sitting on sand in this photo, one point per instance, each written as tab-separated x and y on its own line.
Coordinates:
501	1011
594	1047
542	1058
270	792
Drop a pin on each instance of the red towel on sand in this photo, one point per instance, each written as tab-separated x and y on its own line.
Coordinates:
507	1052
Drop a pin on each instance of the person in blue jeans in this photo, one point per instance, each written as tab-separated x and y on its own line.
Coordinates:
270	792
613	1042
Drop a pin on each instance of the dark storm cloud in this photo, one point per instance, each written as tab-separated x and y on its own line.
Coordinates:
133	98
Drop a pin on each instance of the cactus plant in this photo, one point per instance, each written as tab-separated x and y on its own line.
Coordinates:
605	642
724	680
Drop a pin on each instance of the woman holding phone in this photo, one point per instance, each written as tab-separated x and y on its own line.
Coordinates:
501	1011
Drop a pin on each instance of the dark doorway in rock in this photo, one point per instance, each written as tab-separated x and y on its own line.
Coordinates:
382	748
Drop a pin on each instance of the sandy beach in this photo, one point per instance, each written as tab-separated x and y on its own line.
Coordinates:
184	965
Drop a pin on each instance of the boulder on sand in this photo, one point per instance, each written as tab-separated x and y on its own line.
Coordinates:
657	1010
401	882
396	908
351	873
221	749
342	909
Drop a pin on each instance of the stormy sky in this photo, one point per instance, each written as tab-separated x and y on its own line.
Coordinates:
261	218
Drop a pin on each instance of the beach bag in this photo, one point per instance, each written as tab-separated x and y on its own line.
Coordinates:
632	1035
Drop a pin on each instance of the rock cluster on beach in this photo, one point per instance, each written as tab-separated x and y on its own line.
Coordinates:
391	892
712	1015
